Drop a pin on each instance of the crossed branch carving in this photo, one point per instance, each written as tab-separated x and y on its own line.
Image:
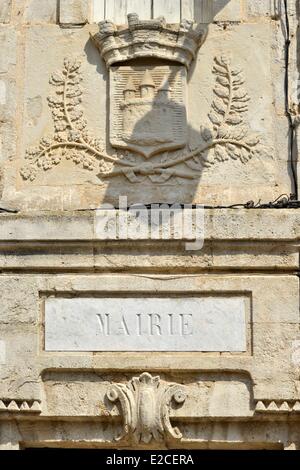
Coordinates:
227	138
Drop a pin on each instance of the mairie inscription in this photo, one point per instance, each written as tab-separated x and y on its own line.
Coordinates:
146	324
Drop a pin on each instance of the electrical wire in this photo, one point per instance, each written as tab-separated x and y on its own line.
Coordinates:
9	211
284	201
287	102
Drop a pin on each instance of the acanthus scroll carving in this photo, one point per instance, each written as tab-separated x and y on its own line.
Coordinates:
145	407
228	137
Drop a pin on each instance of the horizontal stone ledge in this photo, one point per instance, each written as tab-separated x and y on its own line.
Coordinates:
47	420
243	434
158	256
22	264
219	224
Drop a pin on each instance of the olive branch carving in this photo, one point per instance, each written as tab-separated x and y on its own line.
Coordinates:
71	139
228	137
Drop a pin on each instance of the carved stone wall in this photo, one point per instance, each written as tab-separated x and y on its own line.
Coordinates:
162	102
143	399
57	126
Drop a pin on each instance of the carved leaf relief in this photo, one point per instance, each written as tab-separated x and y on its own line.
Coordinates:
227	138
145	408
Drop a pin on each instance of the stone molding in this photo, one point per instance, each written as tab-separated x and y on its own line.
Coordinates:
20	406
277	406
254	224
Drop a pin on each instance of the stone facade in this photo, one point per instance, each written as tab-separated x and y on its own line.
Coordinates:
181	102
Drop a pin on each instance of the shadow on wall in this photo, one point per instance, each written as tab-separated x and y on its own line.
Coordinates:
296	154
160	157
206	10
151	130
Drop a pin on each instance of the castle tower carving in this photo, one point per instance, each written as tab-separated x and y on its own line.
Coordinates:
148	111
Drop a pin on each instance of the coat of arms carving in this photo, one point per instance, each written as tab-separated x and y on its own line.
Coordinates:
148	63
148	109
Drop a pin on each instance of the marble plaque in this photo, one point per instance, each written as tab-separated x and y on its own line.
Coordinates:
146	324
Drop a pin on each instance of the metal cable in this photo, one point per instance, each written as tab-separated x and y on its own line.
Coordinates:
9	211
287	103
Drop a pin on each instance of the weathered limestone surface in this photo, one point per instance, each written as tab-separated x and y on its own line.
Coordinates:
262	381
157	109
5	11
74	12
247	143
41	11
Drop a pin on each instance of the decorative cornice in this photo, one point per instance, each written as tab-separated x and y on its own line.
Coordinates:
145	406
277	406
19	406
152	38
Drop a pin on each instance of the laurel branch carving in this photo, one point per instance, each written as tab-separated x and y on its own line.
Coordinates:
71	139
227	137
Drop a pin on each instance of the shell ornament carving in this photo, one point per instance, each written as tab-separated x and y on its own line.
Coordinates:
145	407
227	138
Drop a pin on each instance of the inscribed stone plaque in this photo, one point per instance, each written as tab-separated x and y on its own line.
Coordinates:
146	324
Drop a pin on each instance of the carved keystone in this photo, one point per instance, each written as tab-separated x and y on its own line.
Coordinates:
145	407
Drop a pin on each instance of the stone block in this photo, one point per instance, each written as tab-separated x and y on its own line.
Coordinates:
170	9
41	11
5	11
74	12
261	8
8	43
117	10
207	11
98	10
228	11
